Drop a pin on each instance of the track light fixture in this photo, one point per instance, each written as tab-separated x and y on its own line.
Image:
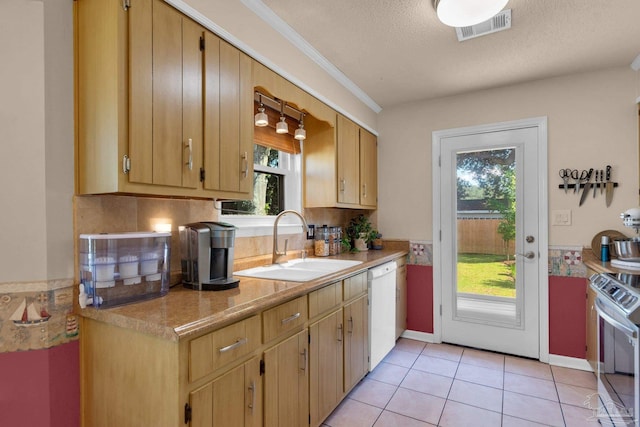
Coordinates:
281	126
261	118
301	133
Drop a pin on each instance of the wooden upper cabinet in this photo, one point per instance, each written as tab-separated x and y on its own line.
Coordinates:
340	166
228	119
177	99
368	169
152	104
348	160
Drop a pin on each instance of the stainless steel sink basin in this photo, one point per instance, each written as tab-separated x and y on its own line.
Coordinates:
298	270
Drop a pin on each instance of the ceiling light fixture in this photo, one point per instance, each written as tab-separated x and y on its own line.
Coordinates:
281	126
261	118
300	133
464	13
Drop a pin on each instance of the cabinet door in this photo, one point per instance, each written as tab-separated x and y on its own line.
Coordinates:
368	169
167	95
592	328
228	143
356	344
176	94
348	160
286	383
191	103
141	91
326	366
401	297
234	399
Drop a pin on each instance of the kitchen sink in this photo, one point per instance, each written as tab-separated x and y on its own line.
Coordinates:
298	270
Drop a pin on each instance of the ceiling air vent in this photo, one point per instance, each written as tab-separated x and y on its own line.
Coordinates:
500	22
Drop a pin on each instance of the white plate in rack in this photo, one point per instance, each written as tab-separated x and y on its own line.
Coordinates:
626	264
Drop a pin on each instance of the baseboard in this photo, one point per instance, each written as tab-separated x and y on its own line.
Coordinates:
418	336
569	362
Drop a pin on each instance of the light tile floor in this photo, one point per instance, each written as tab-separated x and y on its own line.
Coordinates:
420	384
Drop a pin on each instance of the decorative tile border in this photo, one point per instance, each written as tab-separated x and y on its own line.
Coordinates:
566	261
563	260
36	315
420	252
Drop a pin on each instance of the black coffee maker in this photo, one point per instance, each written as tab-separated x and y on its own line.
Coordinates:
207	256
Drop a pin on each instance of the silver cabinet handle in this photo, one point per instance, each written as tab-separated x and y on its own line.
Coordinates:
189	146
238	343
290	318
342	184
252	390
304	360
340	332
245	164
350	330
527	255
364	190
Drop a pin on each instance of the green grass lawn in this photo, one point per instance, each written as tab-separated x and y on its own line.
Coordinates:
486	275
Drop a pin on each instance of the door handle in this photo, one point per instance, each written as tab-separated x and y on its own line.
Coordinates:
527	255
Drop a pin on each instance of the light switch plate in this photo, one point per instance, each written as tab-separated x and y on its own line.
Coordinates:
561	217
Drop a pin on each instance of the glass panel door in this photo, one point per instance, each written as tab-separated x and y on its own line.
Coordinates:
486	229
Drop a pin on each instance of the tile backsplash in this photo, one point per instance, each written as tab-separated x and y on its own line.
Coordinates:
112	214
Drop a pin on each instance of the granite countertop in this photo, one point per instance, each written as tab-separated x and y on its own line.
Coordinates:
184	313
592	262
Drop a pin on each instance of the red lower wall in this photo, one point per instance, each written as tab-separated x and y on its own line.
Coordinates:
41	387
567	316
567	309
420	298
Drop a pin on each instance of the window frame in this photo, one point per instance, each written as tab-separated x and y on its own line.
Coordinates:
262	225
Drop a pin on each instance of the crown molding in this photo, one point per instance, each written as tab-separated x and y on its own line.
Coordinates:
278	24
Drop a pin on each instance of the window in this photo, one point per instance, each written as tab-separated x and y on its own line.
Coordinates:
276	187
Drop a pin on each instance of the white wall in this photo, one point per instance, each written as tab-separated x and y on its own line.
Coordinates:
36	140
592	119
22	165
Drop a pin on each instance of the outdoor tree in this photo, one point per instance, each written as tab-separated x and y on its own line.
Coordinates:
493	172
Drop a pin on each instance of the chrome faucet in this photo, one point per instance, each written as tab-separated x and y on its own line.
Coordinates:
277	254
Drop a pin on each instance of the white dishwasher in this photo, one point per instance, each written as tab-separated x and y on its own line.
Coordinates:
382	312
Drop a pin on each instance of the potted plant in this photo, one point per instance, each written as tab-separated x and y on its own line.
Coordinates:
361	232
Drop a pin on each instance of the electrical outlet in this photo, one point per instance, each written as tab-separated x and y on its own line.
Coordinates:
561	217
311	231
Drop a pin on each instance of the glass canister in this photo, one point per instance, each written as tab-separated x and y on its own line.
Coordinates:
338	240
321	243
332	241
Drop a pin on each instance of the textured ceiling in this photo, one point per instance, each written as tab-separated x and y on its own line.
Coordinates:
397	51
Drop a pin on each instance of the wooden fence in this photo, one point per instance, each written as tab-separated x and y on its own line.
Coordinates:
480	236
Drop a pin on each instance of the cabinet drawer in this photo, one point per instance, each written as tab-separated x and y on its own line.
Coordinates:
214	350
284	318
355	285
325	299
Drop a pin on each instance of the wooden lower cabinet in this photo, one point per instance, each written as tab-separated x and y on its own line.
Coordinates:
277	368
401	296
234	399
286	382
326	366
592	327
356	341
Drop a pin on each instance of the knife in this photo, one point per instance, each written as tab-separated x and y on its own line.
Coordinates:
601	181
609	186
595	184
587	187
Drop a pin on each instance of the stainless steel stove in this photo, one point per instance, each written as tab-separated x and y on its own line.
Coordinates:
620	292
617	304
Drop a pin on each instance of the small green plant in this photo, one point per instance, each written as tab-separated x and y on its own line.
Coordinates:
360	227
